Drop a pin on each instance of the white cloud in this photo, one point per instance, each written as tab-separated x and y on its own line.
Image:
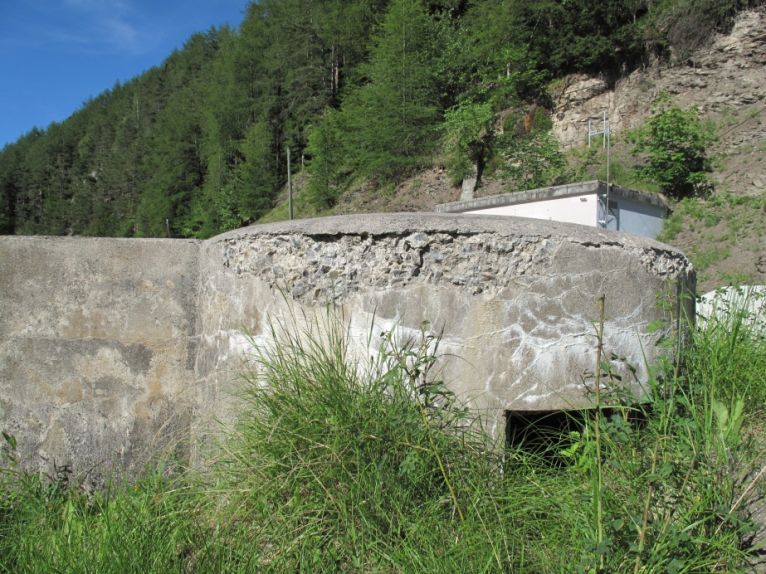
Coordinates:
106	25
122	35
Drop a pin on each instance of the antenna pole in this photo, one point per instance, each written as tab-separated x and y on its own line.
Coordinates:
606	131
289	186
608	141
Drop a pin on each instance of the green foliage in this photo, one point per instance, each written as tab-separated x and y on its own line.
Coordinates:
9	163
467	137
531	158
581	35
51	527
391	122
376	467
177	168
731	357
325	145
251	189
340	466
485	56
674	143
176	143
172	143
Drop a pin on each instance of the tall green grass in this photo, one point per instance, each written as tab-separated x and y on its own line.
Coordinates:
336	466
45	527
342	468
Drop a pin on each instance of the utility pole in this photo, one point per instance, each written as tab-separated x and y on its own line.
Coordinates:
289	186
606	132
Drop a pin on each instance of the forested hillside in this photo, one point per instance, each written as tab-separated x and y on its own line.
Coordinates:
359	90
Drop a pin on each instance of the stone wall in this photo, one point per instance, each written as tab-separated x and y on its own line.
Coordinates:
133	343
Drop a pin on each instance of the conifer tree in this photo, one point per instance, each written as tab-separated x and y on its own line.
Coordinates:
251	191
9	189
390	123
325	145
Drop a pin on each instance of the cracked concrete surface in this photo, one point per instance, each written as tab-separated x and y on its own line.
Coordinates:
513	299
111	350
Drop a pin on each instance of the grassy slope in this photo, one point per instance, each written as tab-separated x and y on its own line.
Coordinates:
724	236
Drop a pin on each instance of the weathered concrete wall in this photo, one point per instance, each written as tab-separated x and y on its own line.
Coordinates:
96	349
111	346
514	298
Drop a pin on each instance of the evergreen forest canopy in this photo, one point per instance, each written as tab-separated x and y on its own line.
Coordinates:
363	89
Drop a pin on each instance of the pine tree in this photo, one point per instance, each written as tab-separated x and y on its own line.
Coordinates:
9	188
251	191
327	167
390	123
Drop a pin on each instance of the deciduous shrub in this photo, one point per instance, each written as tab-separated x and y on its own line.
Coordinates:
674	145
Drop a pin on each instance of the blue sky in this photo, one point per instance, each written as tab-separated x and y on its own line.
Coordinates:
56	54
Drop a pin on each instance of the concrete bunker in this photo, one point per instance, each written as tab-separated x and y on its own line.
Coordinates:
514	299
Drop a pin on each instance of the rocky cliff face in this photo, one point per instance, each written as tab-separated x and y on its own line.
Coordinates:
726	81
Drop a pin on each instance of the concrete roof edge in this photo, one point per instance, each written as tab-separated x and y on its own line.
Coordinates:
402	224
657	199
552	192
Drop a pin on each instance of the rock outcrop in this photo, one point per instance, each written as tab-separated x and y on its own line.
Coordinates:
725	81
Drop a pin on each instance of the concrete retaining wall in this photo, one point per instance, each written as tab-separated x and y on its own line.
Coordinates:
164	324
96	349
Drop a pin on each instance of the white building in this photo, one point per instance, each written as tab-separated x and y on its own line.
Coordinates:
629	210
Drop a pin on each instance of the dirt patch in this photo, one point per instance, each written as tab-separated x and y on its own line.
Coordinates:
421	192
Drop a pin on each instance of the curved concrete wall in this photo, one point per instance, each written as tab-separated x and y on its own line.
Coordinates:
167	323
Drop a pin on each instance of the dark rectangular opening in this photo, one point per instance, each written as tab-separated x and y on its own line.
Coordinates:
543	433
548	433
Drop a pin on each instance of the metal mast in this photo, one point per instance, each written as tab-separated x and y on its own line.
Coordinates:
606	132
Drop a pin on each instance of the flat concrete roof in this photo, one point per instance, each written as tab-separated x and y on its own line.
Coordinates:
554	192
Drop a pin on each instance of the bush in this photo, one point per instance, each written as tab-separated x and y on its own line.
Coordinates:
674	146
530	153
468	134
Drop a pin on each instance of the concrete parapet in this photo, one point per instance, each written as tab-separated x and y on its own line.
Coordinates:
514	299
